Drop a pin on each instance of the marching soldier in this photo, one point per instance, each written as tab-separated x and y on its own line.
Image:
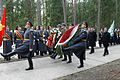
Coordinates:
7	43
27	47
79	44
18	38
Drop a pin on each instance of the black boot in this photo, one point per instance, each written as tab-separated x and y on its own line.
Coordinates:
53	56
30	68
70	59
80	66
30	62
41	53
81	63
4	55
60	57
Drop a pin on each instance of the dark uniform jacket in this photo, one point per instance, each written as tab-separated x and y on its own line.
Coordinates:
27	43
18	38
7	42
79	41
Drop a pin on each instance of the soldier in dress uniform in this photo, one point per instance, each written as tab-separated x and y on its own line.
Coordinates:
36	39
18	38
41	44
7	43
100	37
79	44
27	47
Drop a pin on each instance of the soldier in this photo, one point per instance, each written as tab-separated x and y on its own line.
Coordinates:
105	41
63	29
36	41
7	43
42	47
79	44
18	38
100	37
27	47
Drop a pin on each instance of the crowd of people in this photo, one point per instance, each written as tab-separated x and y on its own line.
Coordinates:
39	41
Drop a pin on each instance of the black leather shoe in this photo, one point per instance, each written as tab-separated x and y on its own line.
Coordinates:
30	68
80	66
64	60
52	57
4	55
103	54
69	62
60	57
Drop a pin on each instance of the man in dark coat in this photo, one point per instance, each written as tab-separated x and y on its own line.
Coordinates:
27	47
79	44
105	41
7	43
92	37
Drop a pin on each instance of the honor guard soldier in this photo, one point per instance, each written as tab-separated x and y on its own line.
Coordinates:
36	41
100	37
18	38
7	43
27	47
79	44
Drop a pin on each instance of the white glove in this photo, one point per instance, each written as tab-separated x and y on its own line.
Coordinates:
30	49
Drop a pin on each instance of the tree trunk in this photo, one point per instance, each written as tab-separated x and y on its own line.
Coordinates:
116	13
64	11
74	12
98	21
0	9
39	12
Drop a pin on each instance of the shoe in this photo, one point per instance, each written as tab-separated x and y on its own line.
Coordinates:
64	60
69	62
90	53
52	57
60	57
103	54
30	68
4	55
80	66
